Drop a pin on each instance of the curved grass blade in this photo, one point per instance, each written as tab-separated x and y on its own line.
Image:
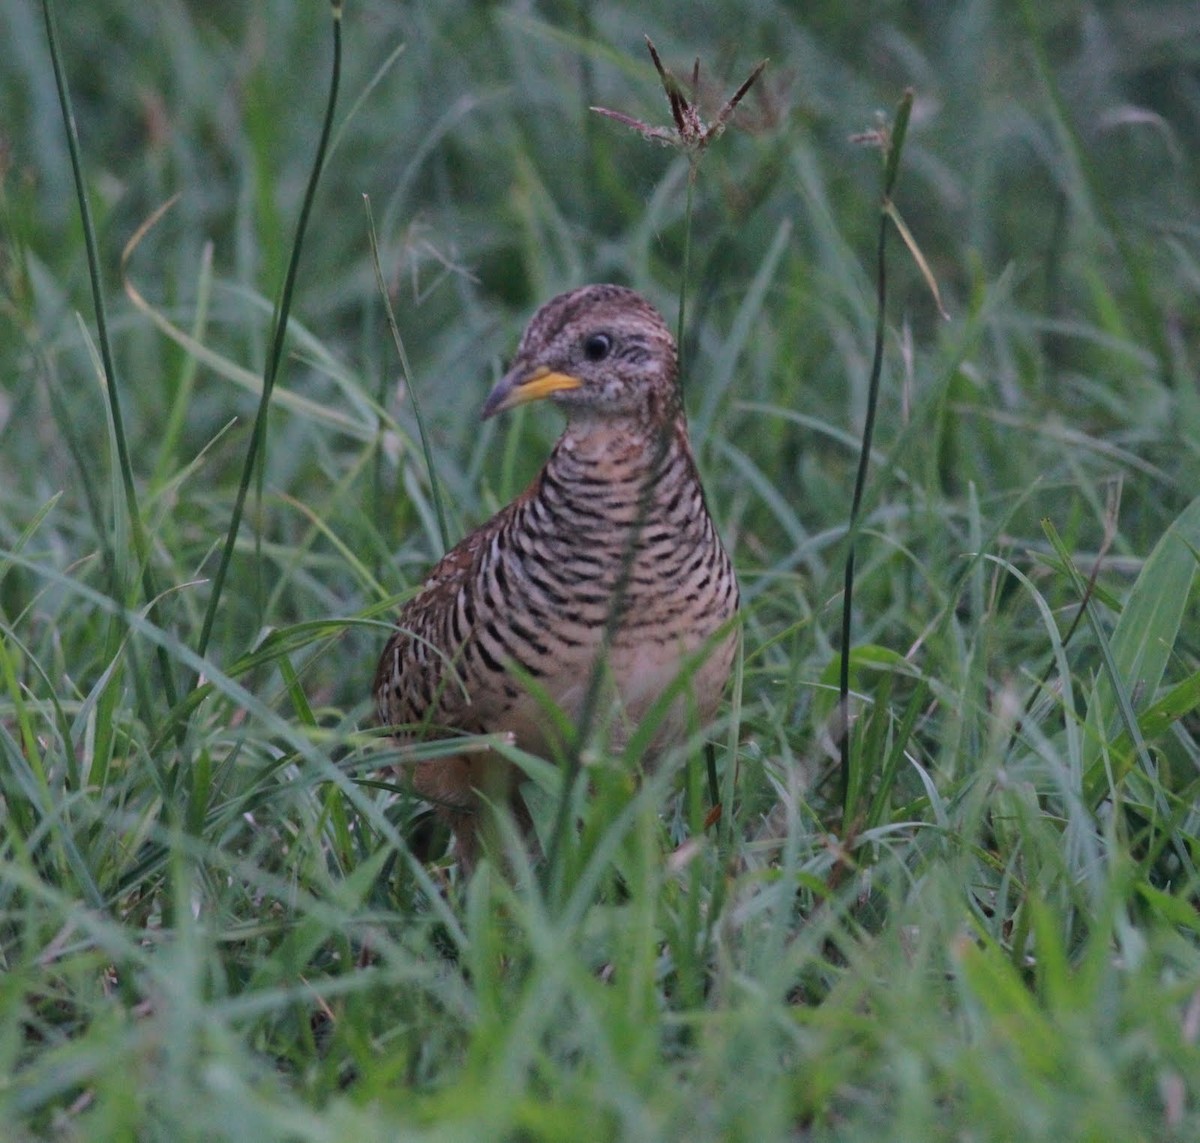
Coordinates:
124	462
1138	651
259	434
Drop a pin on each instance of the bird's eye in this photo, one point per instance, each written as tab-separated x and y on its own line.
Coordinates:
597	347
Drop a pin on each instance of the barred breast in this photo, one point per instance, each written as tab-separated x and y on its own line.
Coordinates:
535	596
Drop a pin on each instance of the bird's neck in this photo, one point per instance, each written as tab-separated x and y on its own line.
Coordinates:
608	469
623	446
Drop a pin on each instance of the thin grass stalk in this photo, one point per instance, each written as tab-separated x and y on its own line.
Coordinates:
1089	590
177	416
379	502
710	753
435	488
87	479
693	137
1120	688
687	264
893	143
587	89
275	356
124	462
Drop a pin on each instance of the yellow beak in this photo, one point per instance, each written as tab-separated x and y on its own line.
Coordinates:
515	388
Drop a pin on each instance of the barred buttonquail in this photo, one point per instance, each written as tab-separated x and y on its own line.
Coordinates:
528	595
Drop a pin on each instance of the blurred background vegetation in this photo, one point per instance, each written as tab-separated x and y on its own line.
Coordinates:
163	897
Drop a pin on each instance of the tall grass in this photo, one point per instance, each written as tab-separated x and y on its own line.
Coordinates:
218	921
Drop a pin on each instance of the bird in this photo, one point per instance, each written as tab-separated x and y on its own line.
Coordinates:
607	567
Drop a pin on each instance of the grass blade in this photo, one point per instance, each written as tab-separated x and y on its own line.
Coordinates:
435	486
258	435
1143	641
111	388
891	170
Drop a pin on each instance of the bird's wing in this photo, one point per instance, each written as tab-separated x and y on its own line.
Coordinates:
421	678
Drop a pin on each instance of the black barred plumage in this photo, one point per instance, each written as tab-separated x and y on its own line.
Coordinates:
529	594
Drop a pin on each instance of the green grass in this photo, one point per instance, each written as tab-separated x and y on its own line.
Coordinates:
216	923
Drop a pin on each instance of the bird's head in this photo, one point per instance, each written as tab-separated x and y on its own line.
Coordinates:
600	352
